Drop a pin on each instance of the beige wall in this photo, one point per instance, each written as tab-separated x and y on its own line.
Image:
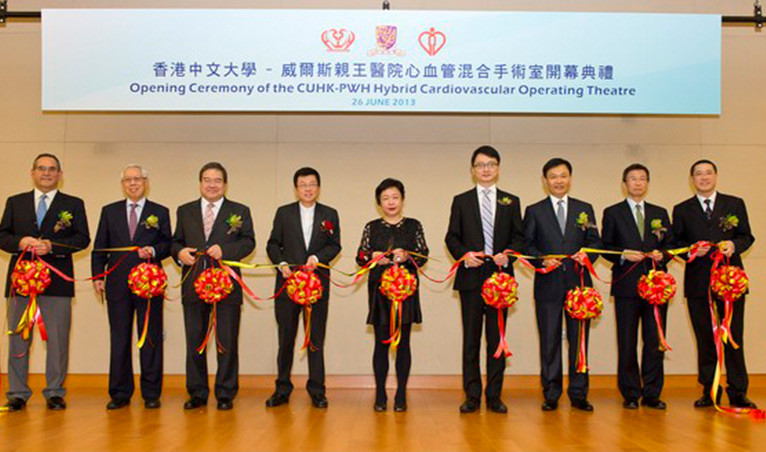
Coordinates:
354	152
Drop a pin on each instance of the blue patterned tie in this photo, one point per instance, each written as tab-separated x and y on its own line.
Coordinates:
42	209
487	221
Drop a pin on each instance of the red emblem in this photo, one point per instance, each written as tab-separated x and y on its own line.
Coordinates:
328	227
338	40
432	41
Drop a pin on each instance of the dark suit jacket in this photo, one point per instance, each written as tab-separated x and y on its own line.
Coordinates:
113	232
543	236
690	225
236	245
620	232
465	234
20	220
286	243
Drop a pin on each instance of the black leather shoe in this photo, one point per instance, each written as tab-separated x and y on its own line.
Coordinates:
194	403
400	407
742	402
630	404
379	406
56	403
582	404
703	402
654	403
116	404
225	404
277	399
152	404
469	406
496	406
319	401
550	405
15	404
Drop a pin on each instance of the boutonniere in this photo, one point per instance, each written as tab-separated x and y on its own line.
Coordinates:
728	222
64	221
505	201
583	222
658	229
151	222
234	222
328	227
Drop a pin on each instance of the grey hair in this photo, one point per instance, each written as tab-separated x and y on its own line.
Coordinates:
144	172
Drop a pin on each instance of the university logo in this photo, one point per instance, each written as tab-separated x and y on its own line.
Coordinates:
385	40
432	41
338	40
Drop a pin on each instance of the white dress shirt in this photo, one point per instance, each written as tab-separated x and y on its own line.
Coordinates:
307	222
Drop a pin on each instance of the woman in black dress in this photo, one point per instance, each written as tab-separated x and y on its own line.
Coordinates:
392	232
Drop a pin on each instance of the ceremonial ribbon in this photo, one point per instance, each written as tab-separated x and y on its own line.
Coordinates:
32	315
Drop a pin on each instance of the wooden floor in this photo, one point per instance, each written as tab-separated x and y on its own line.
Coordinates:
431	424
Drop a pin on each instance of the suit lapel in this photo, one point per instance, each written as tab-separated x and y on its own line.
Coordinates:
141	225
499	211
220	220
51	216
719	209
298	221
571	218
122	221
316	228
197	216
474	204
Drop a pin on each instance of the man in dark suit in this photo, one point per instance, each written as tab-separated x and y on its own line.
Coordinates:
210	229
134	221
52	225
710	216
639	229
484	222
305	232
560	224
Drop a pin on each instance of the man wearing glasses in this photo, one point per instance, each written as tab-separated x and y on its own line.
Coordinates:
484	222
208	230
134	221
52	225
306	233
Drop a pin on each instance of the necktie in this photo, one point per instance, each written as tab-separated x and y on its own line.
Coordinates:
487	221
42	209
561	216
708	210
209	220
640	220
132	220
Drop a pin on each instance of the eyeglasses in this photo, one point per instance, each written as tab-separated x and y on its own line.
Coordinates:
307	186
488	165
216	181
46	169
130	180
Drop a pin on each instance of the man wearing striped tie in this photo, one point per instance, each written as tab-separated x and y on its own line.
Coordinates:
208	230
484	222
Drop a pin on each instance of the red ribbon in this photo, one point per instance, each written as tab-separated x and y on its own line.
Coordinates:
502	346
